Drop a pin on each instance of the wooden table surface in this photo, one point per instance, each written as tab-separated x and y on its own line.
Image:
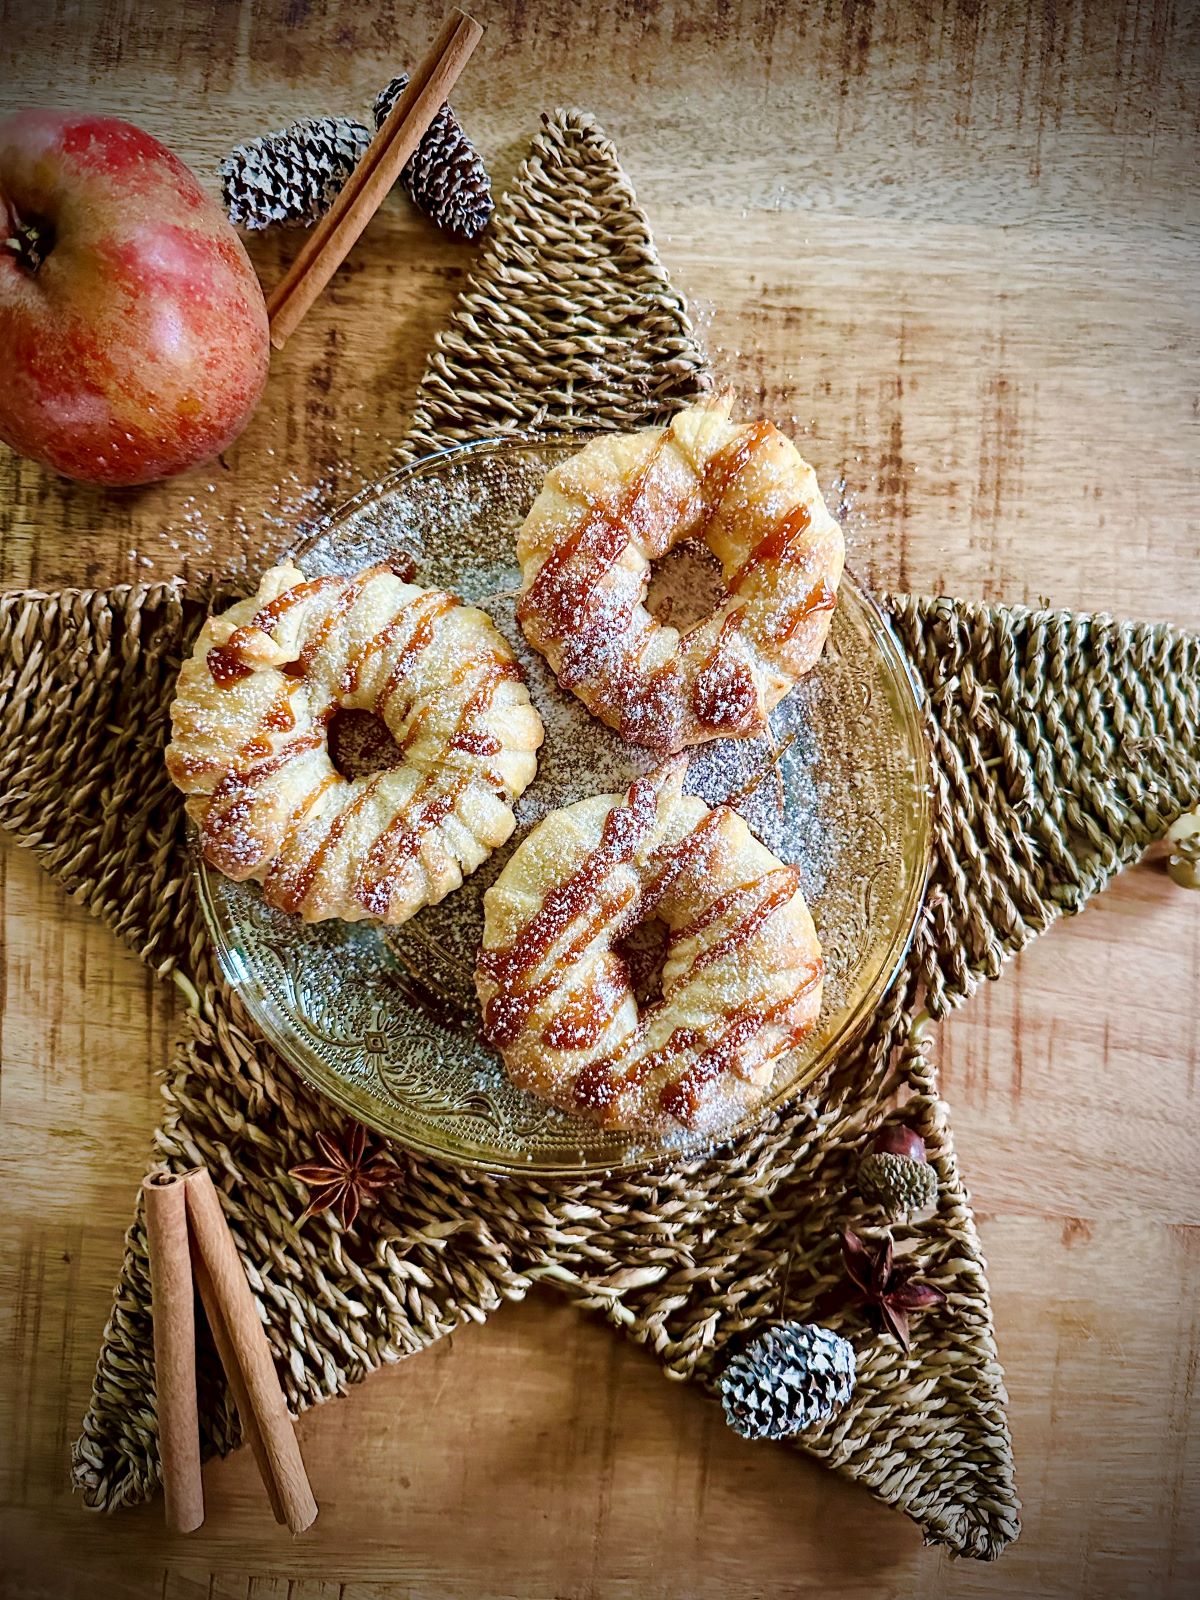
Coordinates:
953	247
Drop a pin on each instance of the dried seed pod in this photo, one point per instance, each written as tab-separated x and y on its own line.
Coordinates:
895	1174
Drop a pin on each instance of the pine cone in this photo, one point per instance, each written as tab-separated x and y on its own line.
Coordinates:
289	178
445	176
791	1377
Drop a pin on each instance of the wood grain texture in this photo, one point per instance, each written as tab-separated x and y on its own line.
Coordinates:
953	246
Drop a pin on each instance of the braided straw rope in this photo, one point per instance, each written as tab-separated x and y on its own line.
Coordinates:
533	340
1061	748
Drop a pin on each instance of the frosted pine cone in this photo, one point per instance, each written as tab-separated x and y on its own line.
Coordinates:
791	1377
289	178
445	175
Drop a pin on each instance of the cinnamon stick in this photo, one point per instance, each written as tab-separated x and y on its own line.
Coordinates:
233	1375
335	234
174	1350
242	1344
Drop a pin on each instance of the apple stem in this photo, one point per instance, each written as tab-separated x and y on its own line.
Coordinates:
27	242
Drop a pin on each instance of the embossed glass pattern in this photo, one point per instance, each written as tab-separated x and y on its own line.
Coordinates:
385	1022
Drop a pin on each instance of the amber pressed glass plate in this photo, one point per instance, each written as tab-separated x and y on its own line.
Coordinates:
385	1022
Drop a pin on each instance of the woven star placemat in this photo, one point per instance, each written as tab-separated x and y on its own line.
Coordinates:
1063	745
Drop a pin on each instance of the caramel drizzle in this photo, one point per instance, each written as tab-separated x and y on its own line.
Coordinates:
467	737
783	893
770	767
787	882
681	1097
510	966
501	670
347	597
401	841
637	701
602	1081
578	642
727	465
251	777
778	545
418	643
477	742
585	1015
509	1011
417	726
304	809
669	865
279	718
390	632
229	800
290	895
725	699
226	664
820	598
471	739
601	535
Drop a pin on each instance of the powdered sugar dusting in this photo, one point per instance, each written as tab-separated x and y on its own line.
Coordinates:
842	811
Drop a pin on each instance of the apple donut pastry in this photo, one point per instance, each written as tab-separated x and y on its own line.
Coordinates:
249	742
624	500
742	978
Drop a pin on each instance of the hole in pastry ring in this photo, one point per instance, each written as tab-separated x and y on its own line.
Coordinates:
623	501
250	742
742	979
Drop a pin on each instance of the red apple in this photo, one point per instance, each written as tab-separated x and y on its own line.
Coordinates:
133	333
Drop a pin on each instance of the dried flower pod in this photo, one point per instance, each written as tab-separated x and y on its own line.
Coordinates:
886	1291
350	1174
895	1174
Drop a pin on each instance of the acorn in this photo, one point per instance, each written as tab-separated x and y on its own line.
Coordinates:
895	1174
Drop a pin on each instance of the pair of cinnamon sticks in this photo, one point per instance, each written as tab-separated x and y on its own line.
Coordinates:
191	1246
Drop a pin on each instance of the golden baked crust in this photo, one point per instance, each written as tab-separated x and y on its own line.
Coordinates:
741	984
625	499
249	742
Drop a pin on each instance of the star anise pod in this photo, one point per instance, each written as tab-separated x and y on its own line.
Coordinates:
885	1292
348	1178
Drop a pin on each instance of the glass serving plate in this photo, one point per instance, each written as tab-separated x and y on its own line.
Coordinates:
385	1023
